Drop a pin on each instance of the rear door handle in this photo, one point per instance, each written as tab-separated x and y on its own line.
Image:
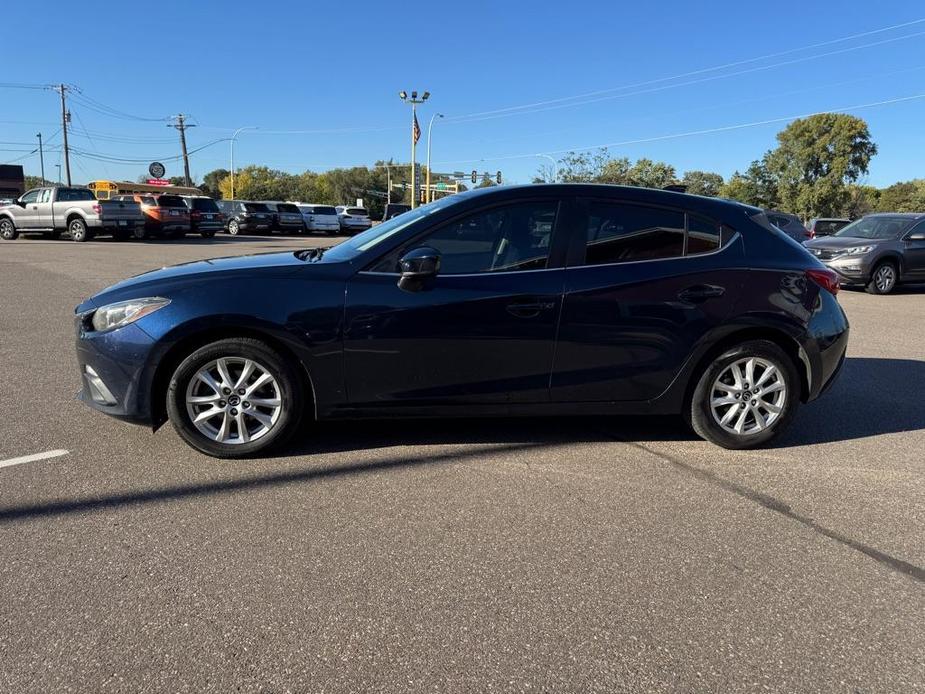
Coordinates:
701	292
529	309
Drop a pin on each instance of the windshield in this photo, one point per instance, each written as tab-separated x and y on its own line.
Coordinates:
375	235
204	204
875	228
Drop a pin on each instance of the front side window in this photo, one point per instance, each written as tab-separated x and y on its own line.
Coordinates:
503	239
31	196
621	233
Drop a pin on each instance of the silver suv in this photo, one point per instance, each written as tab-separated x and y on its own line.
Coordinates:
878	251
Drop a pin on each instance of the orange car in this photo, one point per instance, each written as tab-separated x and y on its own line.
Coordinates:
165	215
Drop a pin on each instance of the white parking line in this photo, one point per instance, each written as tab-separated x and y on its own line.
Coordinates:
32	458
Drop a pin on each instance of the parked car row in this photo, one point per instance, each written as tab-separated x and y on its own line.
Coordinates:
267	216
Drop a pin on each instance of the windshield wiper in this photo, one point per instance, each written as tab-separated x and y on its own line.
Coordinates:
310	254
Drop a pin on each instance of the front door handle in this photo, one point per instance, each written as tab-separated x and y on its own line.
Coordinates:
701	292
529	309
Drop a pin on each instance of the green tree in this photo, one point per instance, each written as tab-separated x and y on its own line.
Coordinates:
815	160
652	174
861	200
34	182
907	196
211	182
702	183
757	186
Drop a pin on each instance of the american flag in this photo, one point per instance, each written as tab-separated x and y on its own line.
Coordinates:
416	130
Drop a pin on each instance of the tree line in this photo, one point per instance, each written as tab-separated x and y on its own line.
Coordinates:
816	170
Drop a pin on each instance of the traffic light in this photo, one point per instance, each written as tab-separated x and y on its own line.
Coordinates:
498	178
475	175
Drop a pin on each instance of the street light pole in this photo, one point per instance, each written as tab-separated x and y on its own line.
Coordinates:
415	134
236	132
58	166
428	196
555	166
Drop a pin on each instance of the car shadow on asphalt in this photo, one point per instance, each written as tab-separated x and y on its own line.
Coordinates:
870	397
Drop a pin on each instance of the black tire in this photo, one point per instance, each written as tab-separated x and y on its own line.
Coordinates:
705	423
78	231
290	388
234	228
8	230
140	232
884	278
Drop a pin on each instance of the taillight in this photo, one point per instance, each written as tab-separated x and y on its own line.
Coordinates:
97	208
825	278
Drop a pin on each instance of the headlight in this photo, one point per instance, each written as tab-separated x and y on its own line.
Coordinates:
857	250
124	312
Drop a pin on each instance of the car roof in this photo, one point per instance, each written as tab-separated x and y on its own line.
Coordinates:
654	196
903	215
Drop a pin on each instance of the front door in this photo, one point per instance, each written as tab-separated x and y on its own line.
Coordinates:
28	215
644	285
481	332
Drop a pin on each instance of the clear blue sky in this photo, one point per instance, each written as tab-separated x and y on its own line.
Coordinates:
338	67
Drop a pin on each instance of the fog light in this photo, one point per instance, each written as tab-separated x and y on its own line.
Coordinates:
98	390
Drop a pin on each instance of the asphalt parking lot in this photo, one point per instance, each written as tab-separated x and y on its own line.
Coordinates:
472	556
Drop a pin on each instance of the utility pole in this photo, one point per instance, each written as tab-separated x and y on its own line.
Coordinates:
182	125
41	157
65	119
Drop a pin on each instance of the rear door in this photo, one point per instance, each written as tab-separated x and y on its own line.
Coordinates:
643	286
914	252
481	332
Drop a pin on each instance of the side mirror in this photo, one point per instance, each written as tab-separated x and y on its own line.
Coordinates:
20	203
417	266
916	236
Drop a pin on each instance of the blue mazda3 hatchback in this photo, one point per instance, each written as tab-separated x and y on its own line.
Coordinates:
549	299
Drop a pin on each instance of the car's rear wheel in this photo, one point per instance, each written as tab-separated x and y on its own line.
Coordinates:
140	232
77	228
235	398
8	230
746	396
207	233
884	278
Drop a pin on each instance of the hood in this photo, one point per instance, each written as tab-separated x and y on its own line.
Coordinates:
161	280
842	242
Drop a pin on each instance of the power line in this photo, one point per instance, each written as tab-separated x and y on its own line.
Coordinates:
707	69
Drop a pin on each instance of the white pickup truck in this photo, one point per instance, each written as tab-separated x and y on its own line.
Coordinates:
75	210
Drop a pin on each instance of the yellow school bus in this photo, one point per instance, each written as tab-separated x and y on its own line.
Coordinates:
104	190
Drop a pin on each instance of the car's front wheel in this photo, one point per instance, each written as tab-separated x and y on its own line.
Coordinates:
8	230
233	227
235	398
883	279
746	396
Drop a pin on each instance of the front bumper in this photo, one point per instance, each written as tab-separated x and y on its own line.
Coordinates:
851	269
112	370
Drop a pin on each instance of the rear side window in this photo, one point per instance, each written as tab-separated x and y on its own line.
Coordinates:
703	235
204	204
622	233
319	209
170	201
75	195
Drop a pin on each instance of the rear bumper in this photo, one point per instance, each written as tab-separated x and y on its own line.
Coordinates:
824	351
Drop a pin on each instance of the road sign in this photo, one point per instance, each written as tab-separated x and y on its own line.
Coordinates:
157	170
441	185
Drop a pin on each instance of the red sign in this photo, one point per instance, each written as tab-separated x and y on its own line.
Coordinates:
158	182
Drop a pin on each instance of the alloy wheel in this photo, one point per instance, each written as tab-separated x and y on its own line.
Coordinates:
6	229
885	278
233	400
748	396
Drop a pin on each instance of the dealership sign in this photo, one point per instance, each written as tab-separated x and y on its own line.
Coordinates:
157	169
158	182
